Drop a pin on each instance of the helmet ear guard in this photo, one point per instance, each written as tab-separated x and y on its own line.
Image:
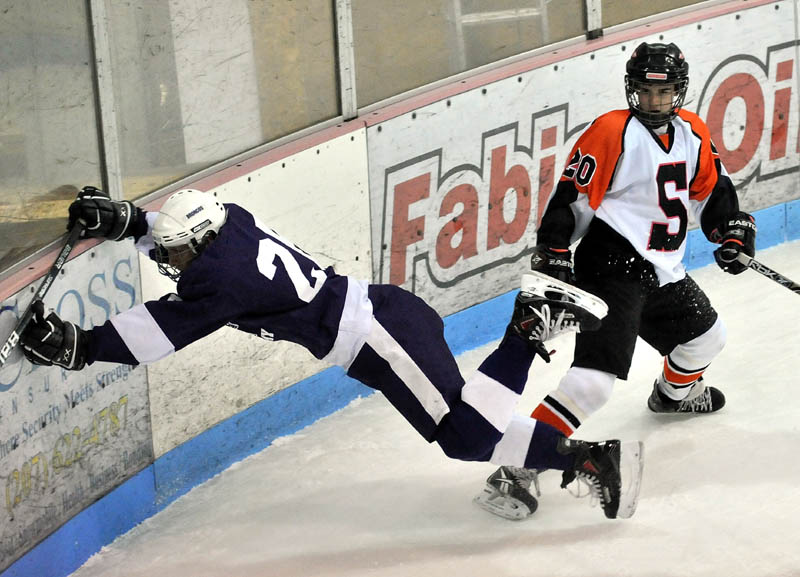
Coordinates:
656	65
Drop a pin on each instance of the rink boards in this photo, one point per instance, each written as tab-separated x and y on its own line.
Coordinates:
439	193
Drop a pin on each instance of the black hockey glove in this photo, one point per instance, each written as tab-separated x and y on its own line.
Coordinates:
556	263
100	216
51	341
739	236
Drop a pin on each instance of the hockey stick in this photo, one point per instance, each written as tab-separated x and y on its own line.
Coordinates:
752	263
13	339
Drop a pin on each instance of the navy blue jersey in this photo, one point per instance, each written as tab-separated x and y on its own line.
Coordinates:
249	278
253	280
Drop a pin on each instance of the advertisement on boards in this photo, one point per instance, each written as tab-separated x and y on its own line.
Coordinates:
69	437
457	187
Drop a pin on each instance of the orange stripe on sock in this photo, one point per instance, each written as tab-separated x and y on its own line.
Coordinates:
545	415
679	378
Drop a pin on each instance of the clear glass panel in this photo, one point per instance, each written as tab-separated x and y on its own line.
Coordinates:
48	128
403	45
619	11
514	26
198	81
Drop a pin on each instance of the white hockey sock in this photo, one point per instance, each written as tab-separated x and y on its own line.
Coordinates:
685	364
513	446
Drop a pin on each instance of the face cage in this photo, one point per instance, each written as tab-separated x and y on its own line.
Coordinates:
161	256
654	119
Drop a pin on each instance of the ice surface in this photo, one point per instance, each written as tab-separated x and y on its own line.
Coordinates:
359	493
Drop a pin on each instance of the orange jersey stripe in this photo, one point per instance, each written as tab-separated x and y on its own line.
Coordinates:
594	157
706	178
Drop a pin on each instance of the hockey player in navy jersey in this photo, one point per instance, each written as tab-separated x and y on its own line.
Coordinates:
631	181
233	270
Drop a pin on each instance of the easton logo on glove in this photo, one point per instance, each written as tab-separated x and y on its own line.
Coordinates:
744	223
739	237
553	262
561	262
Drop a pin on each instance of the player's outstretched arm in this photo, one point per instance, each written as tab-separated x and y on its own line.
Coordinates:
51	341
102	217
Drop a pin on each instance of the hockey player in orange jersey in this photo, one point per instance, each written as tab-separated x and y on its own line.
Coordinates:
632	179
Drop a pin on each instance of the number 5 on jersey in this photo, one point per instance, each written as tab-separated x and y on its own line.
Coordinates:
660	237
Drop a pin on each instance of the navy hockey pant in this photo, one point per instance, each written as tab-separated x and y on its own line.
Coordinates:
407	359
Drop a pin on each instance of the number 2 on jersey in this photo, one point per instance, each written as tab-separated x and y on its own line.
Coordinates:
269	251
581	168
660	237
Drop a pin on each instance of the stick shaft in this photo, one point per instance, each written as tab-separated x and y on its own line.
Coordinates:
753	264
45	285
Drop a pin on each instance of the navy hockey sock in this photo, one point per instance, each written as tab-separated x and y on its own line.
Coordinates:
542	453
509	364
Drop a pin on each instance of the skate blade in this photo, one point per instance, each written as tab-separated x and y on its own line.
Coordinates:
631	465
501	505
538	283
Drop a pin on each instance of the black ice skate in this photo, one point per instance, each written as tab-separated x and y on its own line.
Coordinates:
611	469
708	400
546	307
507	493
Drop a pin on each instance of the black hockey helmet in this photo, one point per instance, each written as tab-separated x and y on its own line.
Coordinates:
656	64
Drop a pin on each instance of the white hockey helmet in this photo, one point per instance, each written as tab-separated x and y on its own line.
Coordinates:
187	222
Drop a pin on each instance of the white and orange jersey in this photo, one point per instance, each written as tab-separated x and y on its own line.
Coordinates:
644	186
